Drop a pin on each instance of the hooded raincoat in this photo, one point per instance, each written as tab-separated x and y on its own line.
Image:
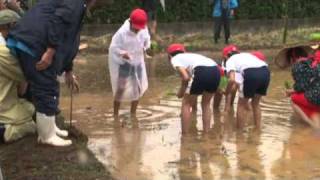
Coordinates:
128	76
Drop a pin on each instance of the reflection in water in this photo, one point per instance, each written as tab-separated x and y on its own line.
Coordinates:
204	156
300	158
126	152
151	146
247	146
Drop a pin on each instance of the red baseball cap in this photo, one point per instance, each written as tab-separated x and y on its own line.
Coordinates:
176	47
259	55
229	49
138	19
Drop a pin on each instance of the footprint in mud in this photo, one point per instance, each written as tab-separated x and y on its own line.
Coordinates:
147	118
224	151
280	108
153	117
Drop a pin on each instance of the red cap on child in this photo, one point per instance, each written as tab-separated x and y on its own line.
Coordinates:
138	19
259	55
176	47
229	49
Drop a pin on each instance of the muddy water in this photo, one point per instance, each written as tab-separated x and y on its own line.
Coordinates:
151	146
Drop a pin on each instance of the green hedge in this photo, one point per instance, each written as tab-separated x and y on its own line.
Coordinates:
201	10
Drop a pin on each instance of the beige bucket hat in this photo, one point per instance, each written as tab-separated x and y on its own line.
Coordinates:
281	59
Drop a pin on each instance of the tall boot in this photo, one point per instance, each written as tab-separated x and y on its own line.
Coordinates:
2	131
60	132
226	41
216	40
47	132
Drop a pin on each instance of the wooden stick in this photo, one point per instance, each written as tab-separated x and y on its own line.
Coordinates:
71	105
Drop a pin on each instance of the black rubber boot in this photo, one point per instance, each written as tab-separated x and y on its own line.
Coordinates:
226	41
216	40
2	130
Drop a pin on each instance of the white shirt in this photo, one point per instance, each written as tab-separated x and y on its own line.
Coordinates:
238	76
2	40
190	61
243	61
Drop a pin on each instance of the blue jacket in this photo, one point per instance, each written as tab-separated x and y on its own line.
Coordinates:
217	7
52	23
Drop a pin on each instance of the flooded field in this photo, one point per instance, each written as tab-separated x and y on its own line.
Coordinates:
150	147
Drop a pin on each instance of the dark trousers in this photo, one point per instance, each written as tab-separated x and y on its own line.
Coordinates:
2	131
218	23
44	86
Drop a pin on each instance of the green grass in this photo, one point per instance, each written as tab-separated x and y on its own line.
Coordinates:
200	41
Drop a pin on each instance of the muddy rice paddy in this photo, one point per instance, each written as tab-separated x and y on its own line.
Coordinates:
151	146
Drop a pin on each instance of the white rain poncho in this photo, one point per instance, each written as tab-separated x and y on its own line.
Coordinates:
128	77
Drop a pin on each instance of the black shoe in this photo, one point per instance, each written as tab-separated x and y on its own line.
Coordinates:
2	131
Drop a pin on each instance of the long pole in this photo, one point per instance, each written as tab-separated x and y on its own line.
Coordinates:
71	105
285	30
1	177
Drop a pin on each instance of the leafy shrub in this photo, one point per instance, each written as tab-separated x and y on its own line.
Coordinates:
201	10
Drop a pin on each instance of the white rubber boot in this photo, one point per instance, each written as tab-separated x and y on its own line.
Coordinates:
47	132
60	132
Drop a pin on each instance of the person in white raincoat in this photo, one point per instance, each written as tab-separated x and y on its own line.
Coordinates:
126	61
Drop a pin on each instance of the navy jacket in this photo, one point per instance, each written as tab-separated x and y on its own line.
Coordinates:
52	23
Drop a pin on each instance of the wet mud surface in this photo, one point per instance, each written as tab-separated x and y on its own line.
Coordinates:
151	146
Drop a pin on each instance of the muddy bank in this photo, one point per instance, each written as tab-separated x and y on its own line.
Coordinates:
238	26
26	159
198	36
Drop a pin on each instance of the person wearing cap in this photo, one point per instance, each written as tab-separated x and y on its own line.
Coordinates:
2	5
45	48
229	102
223	11
200	75
15	113
252	84
126	61
305	93
224	82
14	5
222	90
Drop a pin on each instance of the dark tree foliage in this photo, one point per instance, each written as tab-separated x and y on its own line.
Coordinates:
201	10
